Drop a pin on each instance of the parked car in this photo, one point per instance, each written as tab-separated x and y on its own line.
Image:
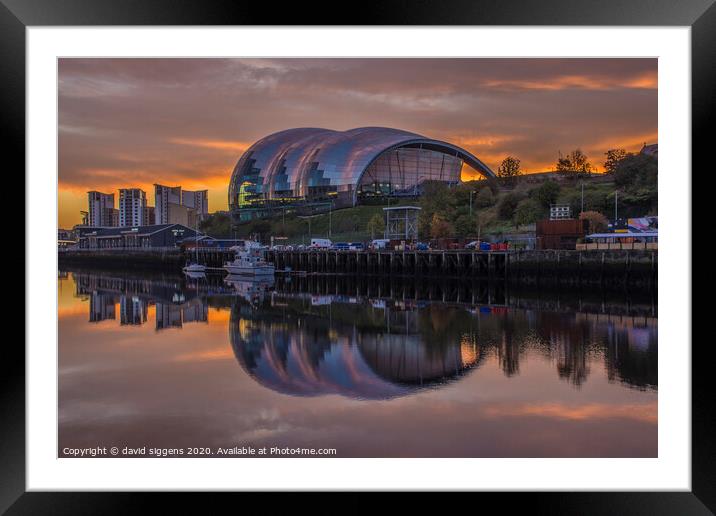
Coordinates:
422	246
356	246
320	243
475	244
340	246
380	243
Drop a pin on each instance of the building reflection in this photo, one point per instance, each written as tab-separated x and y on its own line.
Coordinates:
174	303
304	354
132	310
101	306
382	339
308	344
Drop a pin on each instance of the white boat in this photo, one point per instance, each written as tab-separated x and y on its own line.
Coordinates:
195	274
249	261
194	268
252	289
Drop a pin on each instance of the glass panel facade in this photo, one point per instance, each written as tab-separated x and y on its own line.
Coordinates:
307	163
402	169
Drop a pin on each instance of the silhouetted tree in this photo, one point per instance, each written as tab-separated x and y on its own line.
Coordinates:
509	169
575	164
614	156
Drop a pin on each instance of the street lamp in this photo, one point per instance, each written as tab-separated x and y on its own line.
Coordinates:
616	202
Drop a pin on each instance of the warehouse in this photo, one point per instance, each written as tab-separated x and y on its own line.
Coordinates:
134	237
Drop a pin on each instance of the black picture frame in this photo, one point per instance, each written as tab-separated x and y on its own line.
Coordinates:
17	15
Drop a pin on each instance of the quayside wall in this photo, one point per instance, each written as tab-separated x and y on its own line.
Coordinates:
634	268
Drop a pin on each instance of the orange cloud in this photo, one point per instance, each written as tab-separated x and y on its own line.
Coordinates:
224	353
645	412
647	80
231	146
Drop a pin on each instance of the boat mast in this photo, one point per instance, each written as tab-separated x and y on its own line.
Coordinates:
196	236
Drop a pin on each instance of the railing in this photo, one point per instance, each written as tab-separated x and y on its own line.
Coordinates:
123	249
620	246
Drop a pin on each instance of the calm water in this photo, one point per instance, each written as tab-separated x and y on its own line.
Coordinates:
377	368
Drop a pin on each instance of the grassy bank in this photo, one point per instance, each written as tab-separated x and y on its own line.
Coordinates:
487	208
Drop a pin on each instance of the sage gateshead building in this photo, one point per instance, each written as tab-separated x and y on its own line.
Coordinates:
308	168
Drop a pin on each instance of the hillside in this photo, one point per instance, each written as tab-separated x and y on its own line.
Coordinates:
486	208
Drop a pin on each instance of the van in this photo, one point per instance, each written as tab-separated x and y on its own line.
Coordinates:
380	243
320	243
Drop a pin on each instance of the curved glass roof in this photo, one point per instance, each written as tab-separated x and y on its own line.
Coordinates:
293	161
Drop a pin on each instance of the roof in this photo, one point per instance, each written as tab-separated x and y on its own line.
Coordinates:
138	230
624	235
391	208
296	159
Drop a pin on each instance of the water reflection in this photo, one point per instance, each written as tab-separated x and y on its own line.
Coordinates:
336	336
372	367
174	301
303	354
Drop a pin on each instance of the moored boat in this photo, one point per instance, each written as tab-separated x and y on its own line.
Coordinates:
249	261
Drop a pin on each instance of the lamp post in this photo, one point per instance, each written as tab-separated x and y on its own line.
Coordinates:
616	202
471	192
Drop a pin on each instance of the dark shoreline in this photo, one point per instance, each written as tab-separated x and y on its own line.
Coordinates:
559	269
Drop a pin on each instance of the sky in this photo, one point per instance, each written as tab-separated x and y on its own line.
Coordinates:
126	123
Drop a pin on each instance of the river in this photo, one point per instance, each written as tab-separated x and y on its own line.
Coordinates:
162	365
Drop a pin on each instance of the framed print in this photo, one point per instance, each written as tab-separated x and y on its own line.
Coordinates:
419	252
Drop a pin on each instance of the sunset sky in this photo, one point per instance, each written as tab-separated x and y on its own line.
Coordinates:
134	122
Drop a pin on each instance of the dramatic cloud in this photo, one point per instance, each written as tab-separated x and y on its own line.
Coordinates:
134	122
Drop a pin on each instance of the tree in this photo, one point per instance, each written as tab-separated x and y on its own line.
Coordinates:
440	228
575	163
597	221
636	170
508	205
484	198
614	156
509	169
216	225
376	225
465	225
527	212
260	229
547	193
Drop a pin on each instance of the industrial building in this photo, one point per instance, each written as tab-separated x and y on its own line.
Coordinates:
340	168
134	237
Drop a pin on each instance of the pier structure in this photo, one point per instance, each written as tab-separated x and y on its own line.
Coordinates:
636	268
453	263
